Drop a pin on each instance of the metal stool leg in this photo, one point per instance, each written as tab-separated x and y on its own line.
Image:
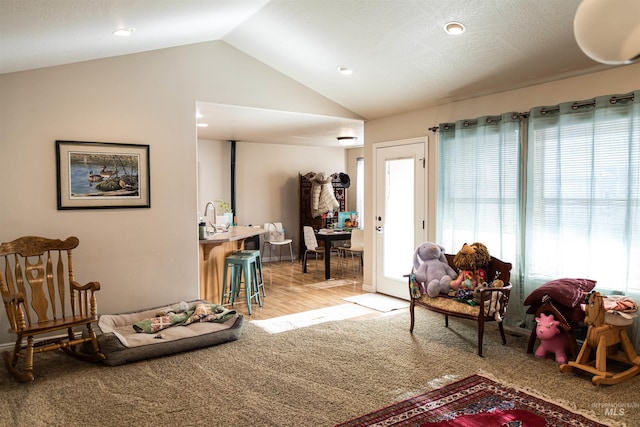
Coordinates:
224	282
248	288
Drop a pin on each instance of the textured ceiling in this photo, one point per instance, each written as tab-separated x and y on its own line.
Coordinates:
401	57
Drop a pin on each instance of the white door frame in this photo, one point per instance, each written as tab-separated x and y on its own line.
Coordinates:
419	234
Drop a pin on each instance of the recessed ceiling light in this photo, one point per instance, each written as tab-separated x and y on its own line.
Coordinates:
345	70
202	125
454	28
123	32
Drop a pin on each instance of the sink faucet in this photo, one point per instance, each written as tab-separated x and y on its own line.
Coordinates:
215	214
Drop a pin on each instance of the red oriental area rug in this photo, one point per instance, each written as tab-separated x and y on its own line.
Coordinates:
470	402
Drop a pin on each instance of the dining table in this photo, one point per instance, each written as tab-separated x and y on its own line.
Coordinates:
328	236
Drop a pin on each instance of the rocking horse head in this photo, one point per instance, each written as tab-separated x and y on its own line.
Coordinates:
594	312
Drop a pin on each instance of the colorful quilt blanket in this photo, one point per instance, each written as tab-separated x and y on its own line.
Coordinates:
199	313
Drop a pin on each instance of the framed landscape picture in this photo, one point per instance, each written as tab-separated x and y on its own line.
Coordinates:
102	175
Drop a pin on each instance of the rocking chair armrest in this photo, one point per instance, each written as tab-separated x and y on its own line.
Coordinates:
91	286
17	298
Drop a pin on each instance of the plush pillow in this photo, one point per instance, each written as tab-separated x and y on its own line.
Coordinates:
568	292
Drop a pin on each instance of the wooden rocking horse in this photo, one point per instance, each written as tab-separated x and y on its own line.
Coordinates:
604	339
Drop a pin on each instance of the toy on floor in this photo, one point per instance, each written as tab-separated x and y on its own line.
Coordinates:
604	339
552	340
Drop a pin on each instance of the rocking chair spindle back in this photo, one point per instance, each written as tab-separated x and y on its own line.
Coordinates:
41	296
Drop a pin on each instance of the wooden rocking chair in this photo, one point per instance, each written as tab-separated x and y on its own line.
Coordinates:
42	297
604	339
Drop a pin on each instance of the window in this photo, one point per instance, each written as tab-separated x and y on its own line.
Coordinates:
581	216
478	184
583	192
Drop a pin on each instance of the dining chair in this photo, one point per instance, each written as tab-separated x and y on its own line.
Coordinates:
275	237
311	244
355	249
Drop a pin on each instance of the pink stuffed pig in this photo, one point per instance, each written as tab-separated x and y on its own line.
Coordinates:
551	338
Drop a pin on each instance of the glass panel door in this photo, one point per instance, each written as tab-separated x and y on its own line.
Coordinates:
400	217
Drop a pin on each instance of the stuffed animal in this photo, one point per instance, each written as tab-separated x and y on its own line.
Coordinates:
552	339
471	262
493	305
431	269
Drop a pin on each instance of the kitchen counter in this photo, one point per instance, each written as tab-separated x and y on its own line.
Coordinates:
212	252
234	233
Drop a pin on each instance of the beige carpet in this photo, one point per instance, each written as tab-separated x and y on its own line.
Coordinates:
315	376
378	302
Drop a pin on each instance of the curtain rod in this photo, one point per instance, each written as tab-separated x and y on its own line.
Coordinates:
591	102
574	106
490	119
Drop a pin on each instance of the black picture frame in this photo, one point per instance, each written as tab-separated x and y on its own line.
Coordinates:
102	175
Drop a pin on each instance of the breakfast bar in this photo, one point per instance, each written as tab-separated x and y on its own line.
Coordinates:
213	251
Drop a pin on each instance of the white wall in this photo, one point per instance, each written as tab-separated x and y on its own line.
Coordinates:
415	124
214	173
142	257
352	158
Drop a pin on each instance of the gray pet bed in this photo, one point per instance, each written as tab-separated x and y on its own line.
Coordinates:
121	344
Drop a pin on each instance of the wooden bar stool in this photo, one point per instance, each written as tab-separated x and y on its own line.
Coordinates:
243	266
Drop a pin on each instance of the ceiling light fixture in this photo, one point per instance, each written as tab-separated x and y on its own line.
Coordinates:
345	70
202	125
123	32
454	28
347	141
608	31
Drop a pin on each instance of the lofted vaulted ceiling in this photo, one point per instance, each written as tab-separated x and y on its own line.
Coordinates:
401	58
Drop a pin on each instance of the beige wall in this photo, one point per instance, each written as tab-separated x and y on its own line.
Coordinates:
214	172
142	257
352	158
266	179
416	124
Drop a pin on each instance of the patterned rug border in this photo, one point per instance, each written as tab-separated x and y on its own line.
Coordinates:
406	412
564	404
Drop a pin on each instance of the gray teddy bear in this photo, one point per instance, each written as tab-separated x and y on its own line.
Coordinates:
431	269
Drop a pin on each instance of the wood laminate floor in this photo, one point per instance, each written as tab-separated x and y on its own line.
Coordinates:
290	291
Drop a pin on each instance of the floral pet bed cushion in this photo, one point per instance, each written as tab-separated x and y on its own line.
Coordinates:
165	330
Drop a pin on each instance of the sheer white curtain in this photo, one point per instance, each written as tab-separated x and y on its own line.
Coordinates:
479	185
583	195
